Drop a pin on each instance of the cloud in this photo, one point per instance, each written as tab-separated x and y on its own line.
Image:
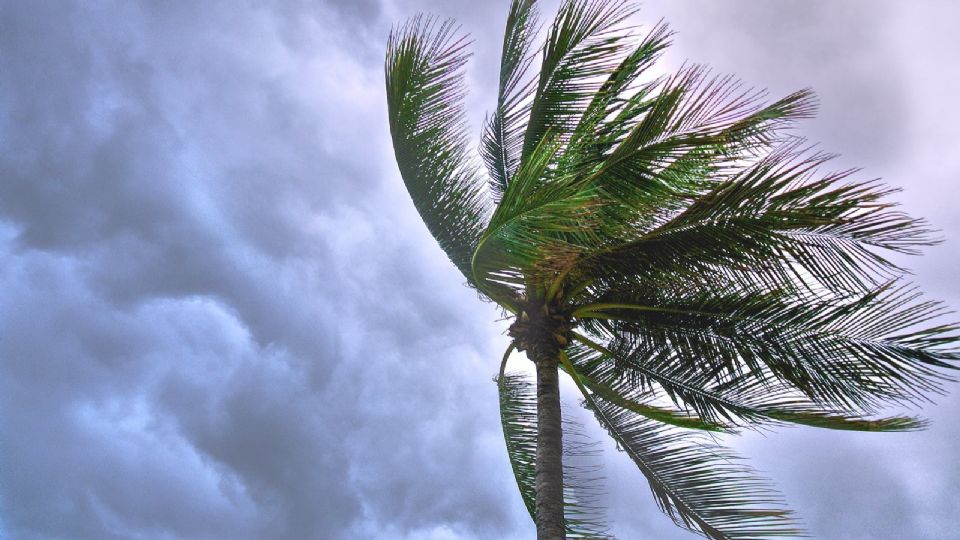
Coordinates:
843	52
200	339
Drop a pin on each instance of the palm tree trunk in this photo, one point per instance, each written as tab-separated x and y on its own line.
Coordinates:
549	480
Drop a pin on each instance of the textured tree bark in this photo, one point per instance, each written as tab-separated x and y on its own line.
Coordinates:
549	480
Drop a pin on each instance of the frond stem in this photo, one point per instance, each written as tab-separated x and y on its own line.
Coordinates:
503	363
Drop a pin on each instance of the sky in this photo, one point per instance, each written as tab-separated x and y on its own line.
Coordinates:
221	316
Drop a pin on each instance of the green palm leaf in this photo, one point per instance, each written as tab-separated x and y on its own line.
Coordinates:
701	486
502	140
604	387
582	47
770	222
425	93
745	400
854	354
584	516
696	483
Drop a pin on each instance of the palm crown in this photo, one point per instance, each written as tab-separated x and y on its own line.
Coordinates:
668	244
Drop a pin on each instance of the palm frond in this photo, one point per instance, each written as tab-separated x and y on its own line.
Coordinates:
861	353
501	142
543	220
607	118
583	484
697	484
583	513
583	46
695	110
772	222
700	486
518	418
425	91
748	400
636	402
673	143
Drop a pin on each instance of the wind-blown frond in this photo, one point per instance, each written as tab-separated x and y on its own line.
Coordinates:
583	488
774	224
425	94
860	353
542	220
583	46
699	485
636	401
584	515
690	112
518	418
676	143
695	109
501	142
747	400
696	483
607	118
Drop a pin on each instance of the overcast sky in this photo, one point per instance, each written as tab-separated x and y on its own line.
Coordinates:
221	317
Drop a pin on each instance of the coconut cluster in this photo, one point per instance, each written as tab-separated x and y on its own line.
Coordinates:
541	330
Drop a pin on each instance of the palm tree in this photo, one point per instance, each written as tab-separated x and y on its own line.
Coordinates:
672	248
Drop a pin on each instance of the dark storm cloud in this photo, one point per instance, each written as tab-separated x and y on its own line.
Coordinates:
221	318
199	340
